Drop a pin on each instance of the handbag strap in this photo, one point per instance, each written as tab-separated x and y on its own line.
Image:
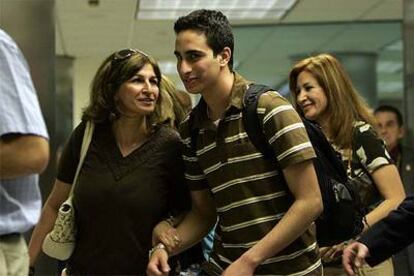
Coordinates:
87	138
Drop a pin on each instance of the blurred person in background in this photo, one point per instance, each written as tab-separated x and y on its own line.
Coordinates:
177	103
24	153
391	129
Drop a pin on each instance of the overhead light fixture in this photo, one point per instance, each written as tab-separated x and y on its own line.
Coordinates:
389	67
390	87
396	46
93	3
233	9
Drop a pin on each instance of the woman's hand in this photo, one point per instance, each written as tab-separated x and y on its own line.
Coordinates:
331	253
158	263
167	235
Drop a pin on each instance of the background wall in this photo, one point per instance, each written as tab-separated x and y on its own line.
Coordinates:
81	35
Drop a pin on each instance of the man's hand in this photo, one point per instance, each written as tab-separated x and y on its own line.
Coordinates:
354	257
167	235
158	263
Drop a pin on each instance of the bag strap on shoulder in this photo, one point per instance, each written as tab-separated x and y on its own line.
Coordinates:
333	164
251	121
87	138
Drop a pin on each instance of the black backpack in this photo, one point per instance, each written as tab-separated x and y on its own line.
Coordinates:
342	216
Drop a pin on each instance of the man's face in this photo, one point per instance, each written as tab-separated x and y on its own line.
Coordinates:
196	64
389	129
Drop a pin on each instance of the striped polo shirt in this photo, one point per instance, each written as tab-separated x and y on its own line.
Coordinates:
250	194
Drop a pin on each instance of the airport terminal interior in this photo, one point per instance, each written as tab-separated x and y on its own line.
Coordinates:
64	42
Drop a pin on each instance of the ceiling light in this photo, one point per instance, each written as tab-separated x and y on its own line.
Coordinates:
390	87
389	66
233	9
93	3
396	46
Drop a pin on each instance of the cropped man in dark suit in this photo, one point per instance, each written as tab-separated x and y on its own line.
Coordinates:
384	239
391	129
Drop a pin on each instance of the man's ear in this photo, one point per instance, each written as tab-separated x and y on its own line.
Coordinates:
224	56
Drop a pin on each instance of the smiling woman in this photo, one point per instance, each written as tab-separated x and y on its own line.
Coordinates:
132	176
138	96
311	97
323	92
127	68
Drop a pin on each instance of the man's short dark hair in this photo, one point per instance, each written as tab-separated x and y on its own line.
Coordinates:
389	108
215	26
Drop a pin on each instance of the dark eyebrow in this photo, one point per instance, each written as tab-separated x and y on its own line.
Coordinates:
142	76
192	52
177	54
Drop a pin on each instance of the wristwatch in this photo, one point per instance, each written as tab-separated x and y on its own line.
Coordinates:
156	247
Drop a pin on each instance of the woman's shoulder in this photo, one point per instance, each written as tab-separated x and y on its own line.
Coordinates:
366	137
77	132
166	140
167	133
363	129
167	130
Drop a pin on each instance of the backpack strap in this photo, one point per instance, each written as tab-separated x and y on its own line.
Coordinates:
333	164
251	121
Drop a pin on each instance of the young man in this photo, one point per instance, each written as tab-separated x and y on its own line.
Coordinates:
391	129
24	153
265	214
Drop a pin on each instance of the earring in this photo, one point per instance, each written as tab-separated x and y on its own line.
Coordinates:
112	116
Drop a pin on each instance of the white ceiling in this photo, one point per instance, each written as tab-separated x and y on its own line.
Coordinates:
263	49
85	30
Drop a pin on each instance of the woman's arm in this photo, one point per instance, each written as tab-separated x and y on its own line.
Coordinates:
191	230
166	233
389	184
372	154
47	220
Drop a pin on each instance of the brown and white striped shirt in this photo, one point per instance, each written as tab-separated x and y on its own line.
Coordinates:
249	192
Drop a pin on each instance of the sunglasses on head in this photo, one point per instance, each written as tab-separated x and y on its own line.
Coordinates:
125	54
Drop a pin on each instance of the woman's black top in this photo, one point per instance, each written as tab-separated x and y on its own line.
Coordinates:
118	200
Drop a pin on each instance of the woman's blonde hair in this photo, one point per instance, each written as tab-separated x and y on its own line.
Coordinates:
176	105
345	105
111	74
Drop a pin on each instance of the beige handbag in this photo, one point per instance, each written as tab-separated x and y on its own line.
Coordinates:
60	242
